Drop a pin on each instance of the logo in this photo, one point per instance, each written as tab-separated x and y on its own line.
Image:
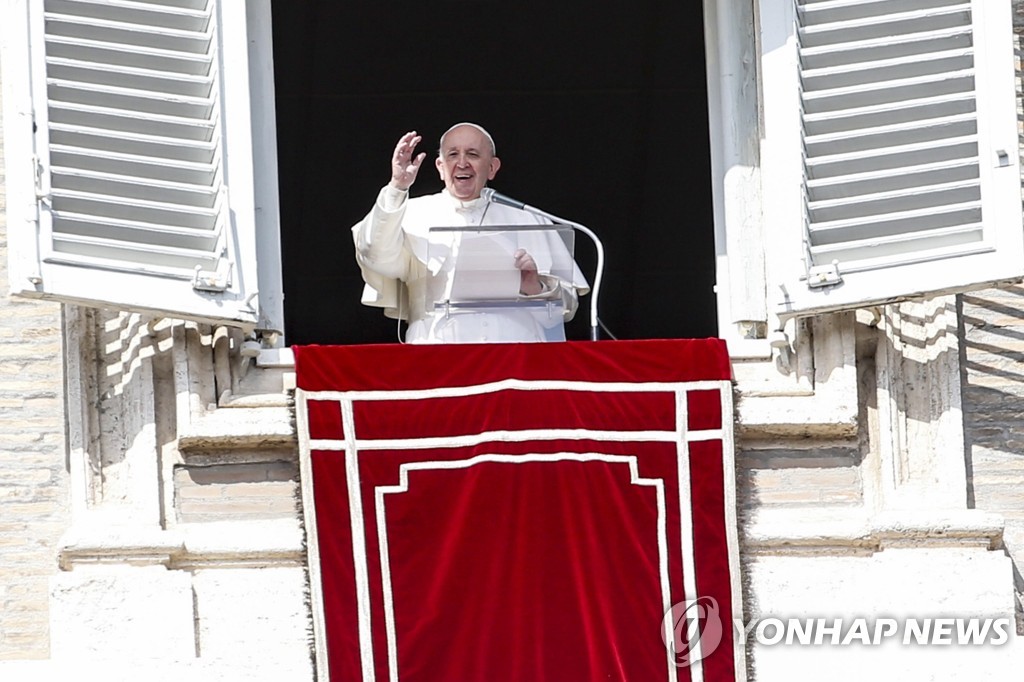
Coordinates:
692	630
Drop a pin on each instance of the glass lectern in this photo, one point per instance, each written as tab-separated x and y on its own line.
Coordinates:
482	279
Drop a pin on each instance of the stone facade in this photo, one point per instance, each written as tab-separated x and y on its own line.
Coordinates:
33	462
185	544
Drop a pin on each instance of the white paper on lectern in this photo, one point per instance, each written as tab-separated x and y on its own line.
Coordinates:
485	268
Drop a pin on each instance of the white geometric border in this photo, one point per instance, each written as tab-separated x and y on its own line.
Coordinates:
403	486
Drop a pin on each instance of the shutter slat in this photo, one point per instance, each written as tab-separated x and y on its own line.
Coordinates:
133	56
859	255
133	122
141	233
877	115
153	212
886	24
884	92
892	225
892	158
898	68
169	170
129	260
138	144
140	35
186	196
856	51
898	134
150	254
904	177
815	12
181	18
165	105
199	5
865	206
165	82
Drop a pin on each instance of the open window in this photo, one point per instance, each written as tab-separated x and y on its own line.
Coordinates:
876	141
132	131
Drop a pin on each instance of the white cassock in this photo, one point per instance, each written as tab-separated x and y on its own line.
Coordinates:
408	270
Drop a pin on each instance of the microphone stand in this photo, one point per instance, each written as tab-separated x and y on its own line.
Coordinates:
498	198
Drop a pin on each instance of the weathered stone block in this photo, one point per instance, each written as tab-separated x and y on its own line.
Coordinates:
136	613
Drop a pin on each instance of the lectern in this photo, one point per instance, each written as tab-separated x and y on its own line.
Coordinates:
475	275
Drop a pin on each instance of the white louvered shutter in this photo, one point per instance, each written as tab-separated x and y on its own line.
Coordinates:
907	152
138	207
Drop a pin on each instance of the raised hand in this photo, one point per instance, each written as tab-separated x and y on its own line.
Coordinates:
405	166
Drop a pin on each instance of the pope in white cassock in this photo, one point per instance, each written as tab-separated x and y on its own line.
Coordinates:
411	271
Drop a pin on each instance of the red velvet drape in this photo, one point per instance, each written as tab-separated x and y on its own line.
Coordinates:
518	511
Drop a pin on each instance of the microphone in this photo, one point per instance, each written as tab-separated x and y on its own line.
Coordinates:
498	198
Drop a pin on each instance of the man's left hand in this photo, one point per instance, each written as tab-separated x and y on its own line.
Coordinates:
530	283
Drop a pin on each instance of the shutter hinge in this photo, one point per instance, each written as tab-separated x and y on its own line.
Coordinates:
35	277
219	281
819	276
42	193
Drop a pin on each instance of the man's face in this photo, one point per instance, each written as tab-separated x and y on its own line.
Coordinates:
466	162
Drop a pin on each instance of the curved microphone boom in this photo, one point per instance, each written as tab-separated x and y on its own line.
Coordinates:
498	198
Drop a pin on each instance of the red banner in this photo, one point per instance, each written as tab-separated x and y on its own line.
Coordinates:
521	511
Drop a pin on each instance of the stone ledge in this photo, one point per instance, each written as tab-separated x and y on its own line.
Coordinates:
844	531
249	668
259	400
234	544
794	416
240	427
913	528
282	358
222	544
96	543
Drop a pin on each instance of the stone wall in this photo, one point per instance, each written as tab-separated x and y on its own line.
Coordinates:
33	476
225	492
184	496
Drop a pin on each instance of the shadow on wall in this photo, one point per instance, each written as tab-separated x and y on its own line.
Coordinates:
993	373
992	381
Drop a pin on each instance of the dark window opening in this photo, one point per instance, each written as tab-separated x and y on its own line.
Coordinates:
599	113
